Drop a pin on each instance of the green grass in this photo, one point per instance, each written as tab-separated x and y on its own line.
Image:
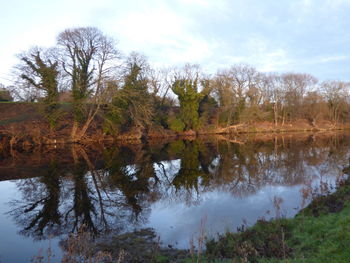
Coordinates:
322	239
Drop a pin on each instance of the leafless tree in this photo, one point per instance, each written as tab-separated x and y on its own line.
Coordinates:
277	95
237	86
295	86
160	80
314	106
87	57
337	95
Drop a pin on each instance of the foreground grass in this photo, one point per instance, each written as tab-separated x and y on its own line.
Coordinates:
319	233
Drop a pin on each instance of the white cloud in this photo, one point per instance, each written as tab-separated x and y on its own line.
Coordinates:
332	58
165	36
271	35
158	26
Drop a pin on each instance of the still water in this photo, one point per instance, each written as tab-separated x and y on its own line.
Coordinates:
169	186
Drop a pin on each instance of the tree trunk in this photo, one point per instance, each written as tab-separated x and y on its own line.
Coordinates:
74	131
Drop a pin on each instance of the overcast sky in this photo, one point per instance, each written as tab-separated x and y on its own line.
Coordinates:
311	36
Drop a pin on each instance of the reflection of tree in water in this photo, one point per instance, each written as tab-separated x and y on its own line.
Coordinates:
190	170
38	212
132	175
83	209
243	169
236	170
193	174
118	192
64	200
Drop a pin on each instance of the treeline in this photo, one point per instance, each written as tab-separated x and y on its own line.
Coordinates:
86	70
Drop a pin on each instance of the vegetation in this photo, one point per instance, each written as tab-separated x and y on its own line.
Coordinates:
114	95
186	87
131	104
84	84
42	74
5	95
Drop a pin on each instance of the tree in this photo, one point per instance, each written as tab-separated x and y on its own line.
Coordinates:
132	104
86	57
160	84
337	97
223	93
276	96
39	70
5	94
236	88
186	86
315	106
295	86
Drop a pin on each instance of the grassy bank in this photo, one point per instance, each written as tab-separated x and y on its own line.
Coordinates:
318	233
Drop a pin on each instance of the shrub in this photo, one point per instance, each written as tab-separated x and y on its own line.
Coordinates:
176	124
5	95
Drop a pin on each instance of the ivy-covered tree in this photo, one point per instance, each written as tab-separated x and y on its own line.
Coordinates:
186	87
132	103
39	70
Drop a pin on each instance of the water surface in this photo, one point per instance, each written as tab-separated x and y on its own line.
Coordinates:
170	186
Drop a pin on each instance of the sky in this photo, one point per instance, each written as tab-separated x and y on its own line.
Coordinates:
307	36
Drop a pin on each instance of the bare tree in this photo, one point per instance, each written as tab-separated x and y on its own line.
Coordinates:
243	79
314	106
295	86
86	57
277	95
337	95
160	80
235	87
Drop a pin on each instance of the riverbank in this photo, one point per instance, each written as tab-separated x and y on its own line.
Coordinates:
318	233
22	125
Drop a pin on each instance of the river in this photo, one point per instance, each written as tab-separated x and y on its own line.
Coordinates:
174	187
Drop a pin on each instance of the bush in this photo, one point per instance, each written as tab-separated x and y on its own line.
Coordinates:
264	240
176	124
5	95
253	114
